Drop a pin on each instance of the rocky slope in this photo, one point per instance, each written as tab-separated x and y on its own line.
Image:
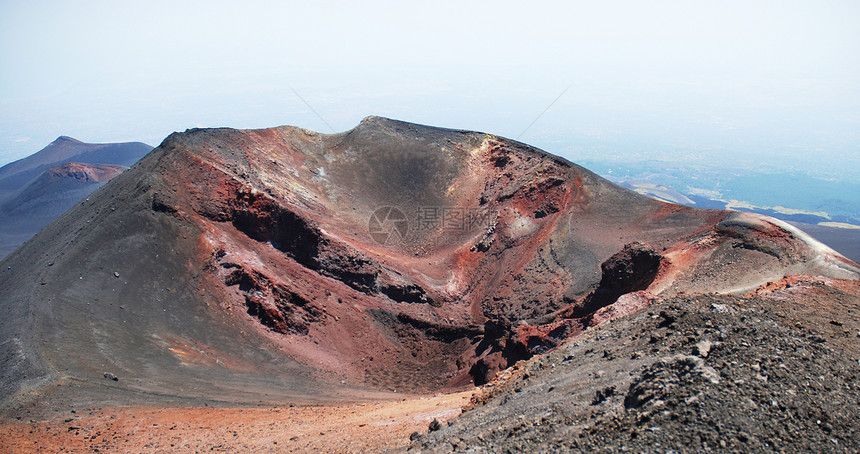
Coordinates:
282	265
774	370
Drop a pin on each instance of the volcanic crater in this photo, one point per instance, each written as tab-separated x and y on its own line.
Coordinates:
276	265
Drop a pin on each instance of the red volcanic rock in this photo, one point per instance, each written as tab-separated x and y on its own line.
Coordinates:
390	256
633	268
98	173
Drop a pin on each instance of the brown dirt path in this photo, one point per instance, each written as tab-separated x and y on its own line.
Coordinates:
353	428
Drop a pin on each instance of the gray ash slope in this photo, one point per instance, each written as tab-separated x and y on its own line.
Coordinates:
845	241
705	373
102	290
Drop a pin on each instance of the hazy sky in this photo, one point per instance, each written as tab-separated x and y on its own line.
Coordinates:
713	81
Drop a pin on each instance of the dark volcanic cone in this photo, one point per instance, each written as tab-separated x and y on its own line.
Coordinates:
18	174
36	189
275	264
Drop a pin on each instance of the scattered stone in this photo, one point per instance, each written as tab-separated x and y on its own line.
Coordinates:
111	376
115	274
601	395
817	339
435	425
702	348
692	399
414	436
668	318
720	309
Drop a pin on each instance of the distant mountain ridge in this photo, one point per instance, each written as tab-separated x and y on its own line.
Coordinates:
36	189
57	189
16	175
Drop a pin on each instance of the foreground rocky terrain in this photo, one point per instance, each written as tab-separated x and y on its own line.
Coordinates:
234	269
775	371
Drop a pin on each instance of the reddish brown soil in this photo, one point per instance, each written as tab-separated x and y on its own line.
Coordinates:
85	172
365	427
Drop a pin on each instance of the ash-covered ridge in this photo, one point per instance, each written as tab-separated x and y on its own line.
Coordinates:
256	265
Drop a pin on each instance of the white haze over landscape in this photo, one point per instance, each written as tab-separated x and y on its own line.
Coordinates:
732	83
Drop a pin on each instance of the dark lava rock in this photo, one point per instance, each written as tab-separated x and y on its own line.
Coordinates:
434	425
